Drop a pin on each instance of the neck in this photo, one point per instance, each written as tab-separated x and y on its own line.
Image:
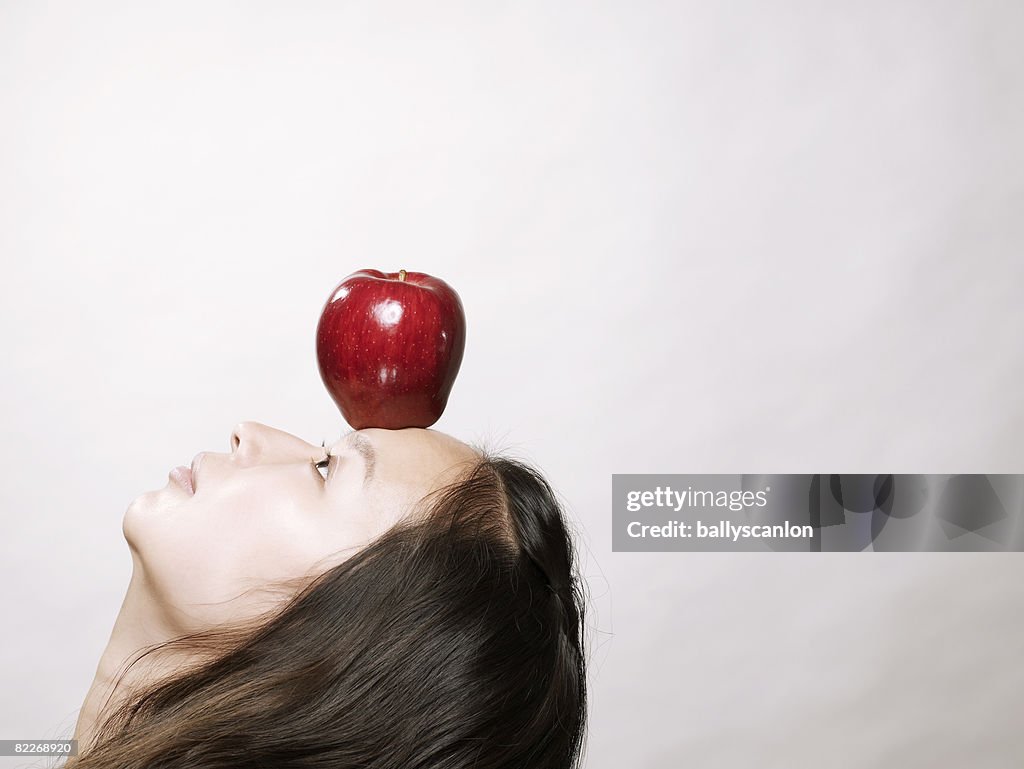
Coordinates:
136	628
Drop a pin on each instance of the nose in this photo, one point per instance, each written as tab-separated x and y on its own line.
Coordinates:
254	442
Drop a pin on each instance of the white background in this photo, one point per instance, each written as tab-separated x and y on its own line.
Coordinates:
689	237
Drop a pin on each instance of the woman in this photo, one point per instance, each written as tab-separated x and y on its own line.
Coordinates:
398	599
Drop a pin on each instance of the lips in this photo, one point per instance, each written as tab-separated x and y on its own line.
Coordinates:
197	461
183	477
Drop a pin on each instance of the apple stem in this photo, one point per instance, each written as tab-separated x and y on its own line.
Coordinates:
401	274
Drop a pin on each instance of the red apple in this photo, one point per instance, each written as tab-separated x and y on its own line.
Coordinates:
389	346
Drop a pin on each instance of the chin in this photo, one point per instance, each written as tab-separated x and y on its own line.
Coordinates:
137	518
130	523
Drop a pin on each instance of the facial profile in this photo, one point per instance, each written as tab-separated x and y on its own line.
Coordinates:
273	510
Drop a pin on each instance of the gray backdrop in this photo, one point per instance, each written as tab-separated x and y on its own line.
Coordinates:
690	238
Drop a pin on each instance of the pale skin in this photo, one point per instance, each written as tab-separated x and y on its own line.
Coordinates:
260	516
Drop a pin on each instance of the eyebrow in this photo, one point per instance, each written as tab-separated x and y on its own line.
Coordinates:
365	449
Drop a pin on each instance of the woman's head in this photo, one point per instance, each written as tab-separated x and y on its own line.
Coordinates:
448	634
266	514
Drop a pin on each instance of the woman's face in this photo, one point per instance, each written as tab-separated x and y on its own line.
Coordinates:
265	513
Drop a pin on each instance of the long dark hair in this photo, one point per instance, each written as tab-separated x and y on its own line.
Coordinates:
455	640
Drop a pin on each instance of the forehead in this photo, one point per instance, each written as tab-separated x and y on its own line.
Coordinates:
408	465
411	451
418	441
